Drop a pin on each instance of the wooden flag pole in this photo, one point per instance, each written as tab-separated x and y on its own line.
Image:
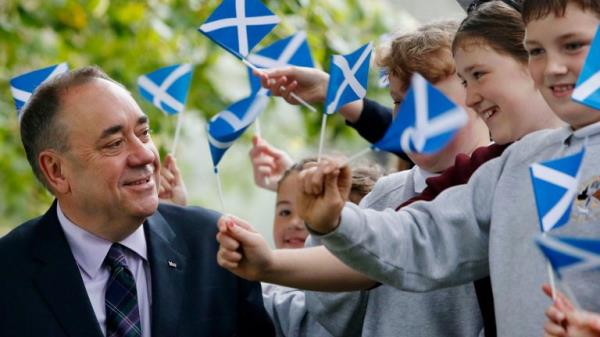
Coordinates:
177	132
296	97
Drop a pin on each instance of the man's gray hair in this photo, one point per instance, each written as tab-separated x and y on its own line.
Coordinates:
40	127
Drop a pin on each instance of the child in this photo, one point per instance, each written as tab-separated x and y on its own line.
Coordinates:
486	226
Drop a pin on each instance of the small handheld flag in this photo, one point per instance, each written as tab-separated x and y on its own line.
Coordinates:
23	85
348	78
228	125
570	254
426	121
290	51
167	88
239	25
555	186
587	89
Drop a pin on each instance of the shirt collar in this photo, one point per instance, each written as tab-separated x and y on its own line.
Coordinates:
90	250
584	132
419	177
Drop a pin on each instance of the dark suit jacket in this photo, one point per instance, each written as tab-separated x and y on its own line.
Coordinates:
42	293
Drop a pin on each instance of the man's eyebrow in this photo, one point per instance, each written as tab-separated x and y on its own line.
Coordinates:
117	128
111	131
142	120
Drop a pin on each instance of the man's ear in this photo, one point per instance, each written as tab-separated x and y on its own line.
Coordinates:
52	165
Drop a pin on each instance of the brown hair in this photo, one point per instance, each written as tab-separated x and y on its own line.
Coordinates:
40	127
496	24
364	178
538	9
425	51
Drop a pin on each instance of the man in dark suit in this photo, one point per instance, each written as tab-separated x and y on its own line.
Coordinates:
106	259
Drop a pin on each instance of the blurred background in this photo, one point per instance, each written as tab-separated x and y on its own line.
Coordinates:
130	38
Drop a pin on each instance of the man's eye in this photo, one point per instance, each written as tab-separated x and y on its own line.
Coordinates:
115	144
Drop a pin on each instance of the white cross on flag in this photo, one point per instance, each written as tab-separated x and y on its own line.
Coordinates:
290	51
167	88
426	121
555	187
239	25
348	78
22	86
587	89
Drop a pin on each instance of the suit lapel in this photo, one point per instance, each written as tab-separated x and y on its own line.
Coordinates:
59	281
167	268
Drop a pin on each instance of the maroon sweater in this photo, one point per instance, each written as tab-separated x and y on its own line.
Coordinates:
459	174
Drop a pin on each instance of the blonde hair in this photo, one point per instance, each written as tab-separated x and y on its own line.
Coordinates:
427	51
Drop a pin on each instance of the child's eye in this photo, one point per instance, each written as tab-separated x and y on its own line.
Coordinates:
464	83
574	46
478	74
284	213
535	52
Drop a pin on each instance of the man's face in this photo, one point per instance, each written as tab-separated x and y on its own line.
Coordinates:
112	167
557	49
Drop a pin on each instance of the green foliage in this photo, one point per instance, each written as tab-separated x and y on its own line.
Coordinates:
129	38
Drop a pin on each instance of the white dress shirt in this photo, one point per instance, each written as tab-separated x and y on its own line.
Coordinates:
90	251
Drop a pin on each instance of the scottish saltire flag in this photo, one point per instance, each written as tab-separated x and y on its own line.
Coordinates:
228	125
239	25
567	254
167	88
425	122
555	187
23	86
348	78
587	89
290	51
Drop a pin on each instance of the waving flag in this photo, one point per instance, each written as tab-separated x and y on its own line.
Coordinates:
228	125
348	78
292	50
587	89
555	186
23	86
239	25
167	88
425	123
570	254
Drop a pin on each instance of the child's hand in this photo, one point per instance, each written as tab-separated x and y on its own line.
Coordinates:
172	189
242	250
268	163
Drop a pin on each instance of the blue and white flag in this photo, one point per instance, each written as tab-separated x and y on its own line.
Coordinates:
239	25
587	89
567	254
228	125
290	51
426	121
23	86
167	88
348	78
555	187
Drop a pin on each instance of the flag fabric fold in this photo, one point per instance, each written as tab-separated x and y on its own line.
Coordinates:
567	254
23	85
167	88
587	88
228	125
348	78
239	25
555	187
290	51
425	122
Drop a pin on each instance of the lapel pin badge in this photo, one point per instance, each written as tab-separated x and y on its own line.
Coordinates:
172	264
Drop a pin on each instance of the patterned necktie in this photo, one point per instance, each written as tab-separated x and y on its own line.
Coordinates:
122	312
